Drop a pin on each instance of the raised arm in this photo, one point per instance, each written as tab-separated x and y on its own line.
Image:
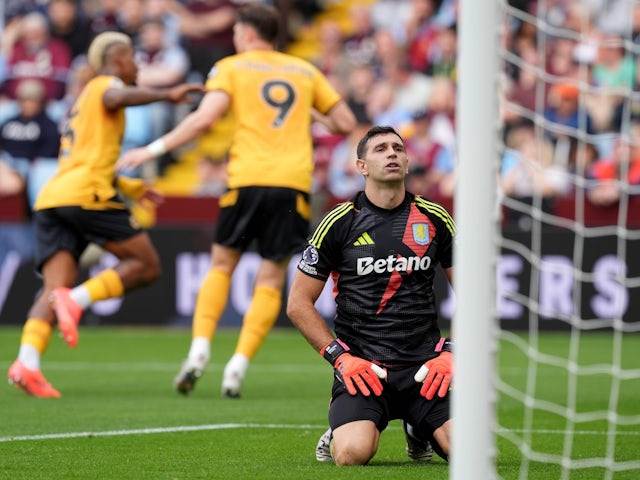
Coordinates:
211	108
115	98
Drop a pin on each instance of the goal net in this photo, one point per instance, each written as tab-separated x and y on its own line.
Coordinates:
563	399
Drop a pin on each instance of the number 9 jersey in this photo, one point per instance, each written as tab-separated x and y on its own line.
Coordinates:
272	94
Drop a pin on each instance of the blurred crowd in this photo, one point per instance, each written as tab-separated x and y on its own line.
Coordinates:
569	86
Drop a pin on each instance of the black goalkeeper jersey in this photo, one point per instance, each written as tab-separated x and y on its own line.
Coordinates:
383	265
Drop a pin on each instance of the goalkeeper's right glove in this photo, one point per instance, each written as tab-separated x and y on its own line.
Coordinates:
355	373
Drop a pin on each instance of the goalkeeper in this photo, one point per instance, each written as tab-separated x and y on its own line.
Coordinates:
381	249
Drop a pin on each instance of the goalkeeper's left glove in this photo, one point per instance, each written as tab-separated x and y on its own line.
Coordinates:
436	373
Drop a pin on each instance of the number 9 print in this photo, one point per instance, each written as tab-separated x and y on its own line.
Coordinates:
272	93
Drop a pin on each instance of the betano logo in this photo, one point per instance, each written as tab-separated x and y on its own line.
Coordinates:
367	265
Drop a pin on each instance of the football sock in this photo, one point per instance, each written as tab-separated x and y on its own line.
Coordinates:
237	365
212	299
259	319
107	284
200	351
36	335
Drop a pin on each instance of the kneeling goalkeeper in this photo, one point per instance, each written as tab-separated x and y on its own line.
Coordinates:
390	362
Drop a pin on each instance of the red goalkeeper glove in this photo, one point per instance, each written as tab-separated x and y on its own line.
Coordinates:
355	373
437	372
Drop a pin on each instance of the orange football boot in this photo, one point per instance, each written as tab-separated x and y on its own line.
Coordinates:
31	381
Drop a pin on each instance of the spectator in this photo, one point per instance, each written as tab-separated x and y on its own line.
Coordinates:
206	27
618	170
422	30
442	61
38	56
30	141
564	115
429	161
68	23
560	59
522	91
409	87
386	51
359	44
161	10
359	83
580	19
160	65
442	104
394	16
381	108
131	16
614	67
31	134
103	15
533	173
581	159
344	179
14	9
331	58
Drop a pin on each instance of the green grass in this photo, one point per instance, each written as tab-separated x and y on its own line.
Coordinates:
119	417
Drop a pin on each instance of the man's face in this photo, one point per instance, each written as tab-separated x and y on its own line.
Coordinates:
385	158
128	66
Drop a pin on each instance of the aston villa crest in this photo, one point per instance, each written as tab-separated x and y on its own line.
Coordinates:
420	233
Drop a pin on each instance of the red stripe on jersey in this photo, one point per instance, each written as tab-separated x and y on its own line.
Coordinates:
392	287
419	231
417	236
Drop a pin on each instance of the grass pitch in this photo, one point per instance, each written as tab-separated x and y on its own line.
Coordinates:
120	418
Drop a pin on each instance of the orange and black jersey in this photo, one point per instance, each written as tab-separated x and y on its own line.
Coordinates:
89	148
383	266
272	94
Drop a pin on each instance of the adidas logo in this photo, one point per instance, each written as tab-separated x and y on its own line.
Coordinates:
363	239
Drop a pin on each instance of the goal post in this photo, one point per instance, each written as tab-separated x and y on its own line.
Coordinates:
547	315
475	207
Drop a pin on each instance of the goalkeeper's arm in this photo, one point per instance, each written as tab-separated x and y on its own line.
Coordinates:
356	373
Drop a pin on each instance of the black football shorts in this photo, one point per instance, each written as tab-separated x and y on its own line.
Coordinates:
275	220
73	228
400	399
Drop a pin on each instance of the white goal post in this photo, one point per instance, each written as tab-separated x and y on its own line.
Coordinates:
587	287
475	212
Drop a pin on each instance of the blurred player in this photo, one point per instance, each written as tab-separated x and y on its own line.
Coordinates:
81	204
271	97
381	248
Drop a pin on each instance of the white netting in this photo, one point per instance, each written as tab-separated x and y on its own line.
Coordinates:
570	248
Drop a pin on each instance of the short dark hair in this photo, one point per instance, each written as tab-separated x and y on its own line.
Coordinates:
264	18
373	132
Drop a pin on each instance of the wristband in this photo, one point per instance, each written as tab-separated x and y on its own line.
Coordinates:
157	147
445	345
332	350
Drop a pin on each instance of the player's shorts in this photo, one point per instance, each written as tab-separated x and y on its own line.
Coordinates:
73	228
400	399
277	219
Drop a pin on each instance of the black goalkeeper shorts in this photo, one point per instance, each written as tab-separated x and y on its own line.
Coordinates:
400	399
